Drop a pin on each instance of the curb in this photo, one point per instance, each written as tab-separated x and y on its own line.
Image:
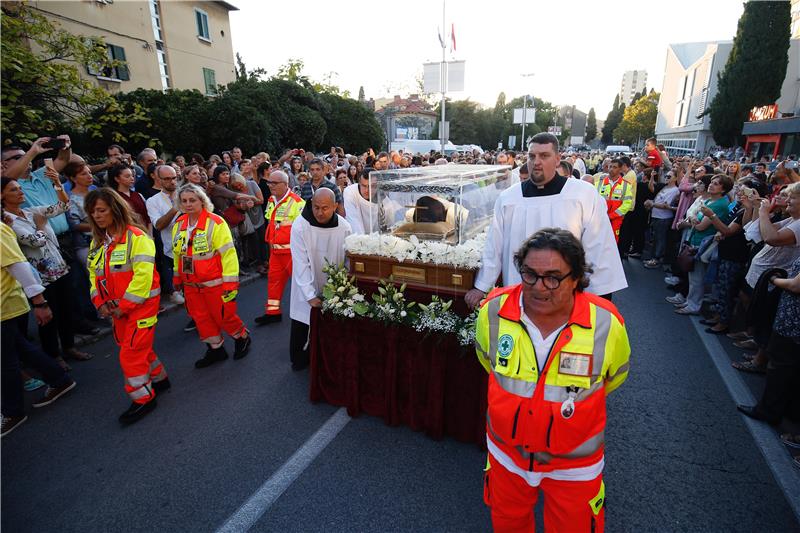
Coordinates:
169	307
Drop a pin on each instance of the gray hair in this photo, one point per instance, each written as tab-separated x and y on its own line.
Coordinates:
197	191
238	178
281	175
561	241
146	151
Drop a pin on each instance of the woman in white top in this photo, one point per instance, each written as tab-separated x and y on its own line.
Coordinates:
39	244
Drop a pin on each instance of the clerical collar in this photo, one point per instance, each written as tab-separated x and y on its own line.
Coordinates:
552	187
308	214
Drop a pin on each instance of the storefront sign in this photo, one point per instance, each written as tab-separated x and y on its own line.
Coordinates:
765	112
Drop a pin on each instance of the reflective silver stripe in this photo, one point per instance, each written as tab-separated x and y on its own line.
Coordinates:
602	325
493	307
155	364
141	392
479	350
93	293
212	340
133	298
99	271
225	247
127	267
589	446
210	229
491	430
128	238
230	279
281	246
554	393
138	381
155	292
517	387
141	258
621	370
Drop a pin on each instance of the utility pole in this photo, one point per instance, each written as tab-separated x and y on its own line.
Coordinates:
443	77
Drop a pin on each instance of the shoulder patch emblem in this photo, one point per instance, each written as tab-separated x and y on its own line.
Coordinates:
505	345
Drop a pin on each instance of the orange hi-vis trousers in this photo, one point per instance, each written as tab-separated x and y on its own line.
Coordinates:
616	224
569	506
280	272
211	314
141	367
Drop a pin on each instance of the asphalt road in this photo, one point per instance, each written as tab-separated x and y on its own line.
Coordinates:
678	456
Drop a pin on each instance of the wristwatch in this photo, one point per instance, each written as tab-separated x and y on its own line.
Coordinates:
41	305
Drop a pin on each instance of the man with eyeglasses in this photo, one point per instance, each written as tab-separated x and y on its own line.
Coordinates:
162	208
553	352
283	207
547	199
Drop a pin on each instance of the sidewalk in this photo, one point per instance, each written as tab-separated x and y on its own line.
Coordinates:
169	307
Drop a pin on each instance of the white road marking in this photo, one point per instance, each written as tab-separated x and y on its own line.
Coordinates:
261	500
779	461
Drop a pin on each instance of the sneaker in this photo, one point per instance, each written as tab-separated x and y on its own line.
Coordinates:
54	393
214	355
33	384
10	423
677	299
190	326
672	280
747	344
176	298
136	412
242	347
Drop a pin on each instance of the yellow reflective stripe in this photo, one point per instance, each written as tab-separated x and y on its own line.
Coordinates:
230	296
596	503
146	322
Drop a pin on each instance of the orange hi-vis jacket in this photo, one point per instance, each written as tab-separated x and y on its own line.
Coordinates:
280	217
124	271
550	418
618	195
210	247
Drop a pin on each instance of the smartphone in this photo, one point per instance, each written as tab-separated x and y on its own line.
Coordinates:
55	144
48	162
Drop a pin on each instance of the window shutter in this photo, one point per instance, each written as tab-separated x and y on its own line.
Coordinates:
199	20
122	70
210	78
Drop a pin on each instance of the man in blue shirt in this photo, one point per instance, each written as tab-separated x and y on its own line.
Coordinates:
39	191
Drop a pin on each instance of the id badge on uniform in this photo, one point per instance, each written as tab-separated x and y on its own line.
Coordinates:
117	257
574	364
200	243
187	265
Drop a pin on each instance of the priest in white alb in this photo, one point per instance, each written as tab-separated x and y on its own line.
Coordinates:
548	200
317	236
360	204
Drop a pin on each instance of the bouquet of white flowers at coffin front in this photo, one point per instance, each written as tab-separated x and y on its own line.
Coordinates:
340	296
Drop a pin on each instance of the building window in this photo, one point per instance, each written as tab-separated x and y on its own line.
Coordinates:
161	53
118	73
201	18
210	79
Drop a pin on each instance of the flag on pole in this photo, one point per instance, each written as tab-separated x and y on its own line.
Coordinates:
441	39
453	36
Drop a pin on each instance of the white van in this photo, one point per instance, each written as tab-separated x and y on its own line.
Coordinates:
617	149
415	146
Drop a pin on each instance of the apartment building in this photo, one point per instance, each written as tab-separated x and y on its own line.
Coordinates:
165	44
633	81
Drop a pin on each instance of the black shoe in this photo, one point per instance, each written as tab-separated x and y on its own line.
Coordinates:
136	412
242	347
752	411
268	319
162	386
297	367
190	326
213	355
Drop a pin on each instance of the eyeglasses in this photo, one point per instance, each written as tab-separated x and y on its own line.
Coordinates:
550	282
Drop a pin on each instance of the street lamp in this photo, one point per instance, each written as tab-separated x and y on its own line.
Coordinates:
524	111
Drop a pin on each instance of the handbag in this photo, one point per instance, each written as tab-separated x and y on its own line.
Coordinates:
233	216
685	259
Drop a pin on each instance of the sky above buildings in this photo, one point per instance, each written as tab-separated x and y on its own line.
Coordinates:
577	50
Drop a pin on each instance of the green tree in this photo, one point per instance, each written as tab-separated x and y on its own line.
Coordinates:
755	70
613	119
349	125
591	126
500	105
639	120
42	89
361	97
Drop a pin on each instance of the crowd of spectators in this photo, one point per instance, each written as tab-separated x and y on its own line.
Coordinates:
726	232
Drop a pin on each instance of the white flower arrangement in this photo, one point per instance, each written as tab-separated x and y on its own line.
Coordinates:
390	304
465	255
436	316
340	296
466	329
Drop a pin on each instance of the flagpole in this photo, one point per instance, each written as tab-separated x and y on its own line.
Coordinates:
443	80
